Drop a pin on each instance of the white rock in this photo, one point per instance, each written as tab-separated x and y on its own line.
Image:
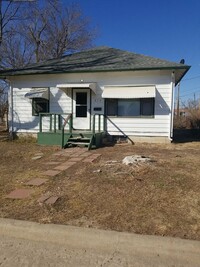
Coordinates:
135	159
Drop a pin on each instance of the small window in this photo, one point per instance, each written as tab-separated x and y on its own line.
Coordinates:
130	107
39	105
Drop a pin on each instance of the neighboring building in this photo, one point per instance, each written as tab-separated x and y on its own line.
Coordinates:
134	93
183	112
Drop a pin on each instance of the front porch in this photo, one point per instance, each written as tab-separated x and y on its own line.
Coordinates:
57	129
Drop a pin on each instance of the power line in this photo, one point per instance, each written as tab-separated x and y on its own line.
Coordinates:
192	89
192	92
192	78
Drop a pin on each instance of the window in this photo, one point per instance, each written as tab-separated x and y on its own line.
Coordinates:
140	107
81	104
39	105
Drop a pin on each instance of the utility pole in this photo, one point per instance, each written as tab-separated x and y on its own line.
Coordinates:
178	100
178	96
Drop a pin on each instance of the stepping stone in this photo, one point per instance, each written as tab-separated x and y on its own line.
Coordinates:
36	182
74	159
65	166
20	193
51	173
86	154
51	200
91	158
52	163
44	197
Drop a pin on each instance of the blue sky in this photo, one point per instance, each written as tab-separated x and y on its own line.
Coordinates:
160	28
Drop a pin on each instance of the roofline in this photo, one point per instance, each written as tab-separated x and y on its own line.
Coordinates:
186	67
183	75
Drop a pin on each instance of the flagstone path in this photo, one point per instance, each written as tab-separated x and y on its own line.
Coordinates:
58	163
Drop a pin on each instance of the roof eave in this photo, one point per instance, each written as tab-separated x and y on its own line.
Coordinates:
14	73
182	75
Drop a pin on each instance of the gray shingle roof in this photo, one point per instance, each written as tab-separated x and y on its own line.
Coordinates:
99	59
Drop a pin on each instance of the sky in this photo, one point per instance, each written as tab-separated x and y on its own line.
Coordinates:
164	29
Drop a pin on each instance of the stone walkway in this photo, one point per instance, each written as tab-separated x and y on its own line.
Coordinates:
58	163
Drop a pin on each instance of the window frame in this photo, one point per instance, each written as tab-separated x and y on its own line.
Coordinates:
39	100
142	101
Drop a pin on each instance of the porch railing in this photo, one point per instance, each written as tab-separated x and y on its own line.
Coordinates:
55	122
69	121
98	123
58	121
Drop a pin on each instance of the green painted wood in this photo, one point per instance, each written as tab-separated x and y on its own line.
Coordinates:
40	122
91	143
54	123
65	139
50	122
93	127
99	123
51	138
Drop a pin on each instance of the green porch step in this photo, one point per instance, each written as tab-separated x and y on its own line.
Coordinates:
77	143
76	139
84	139
80	141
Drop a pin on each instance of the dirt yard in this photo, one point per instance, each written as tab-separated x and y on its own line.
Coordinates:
161	197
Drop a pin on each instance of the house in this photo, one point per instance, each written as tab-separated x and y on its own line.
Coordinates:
97	91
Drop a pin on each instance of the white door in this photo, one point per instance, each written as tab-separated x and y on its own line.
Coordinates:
81	109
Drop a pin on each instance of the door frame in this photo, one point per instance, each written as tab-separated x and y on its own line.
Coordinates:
88	90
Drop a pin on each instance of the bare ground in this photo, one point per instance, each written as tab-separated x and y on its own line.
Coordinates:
158	198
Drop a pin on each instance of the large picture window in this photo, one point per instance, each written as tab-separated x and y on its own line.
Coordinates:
40	105
139	107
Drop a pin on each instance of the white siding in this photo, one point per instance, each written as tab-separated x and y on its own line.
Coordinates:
62	102
22	109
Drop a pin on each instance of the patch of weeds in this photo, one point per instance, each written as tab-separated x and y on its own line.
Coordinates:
25	139
160	184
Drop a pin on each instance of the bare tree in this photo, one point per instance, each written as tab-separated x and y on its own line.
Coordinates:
193	113
10	12
16	52
189	116
67	31
3	100
45	30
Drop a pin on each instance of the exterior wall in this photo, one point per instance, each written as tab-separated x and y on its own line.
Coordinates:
60	101
22	109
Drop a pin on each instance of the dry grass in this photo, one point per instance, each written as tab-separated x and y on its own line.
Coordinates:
160	198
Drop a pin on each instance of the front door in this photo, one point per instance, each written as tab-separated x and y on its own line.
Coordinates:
81	109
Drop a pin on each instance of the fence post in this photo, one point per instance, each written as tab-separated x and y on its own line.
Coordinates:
62	138
93	124
59	122
104	123
50	122
99	122
70	124
40	122
54	123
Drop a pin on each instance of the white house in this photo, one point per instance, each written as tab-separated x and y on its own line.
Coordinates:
132	94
